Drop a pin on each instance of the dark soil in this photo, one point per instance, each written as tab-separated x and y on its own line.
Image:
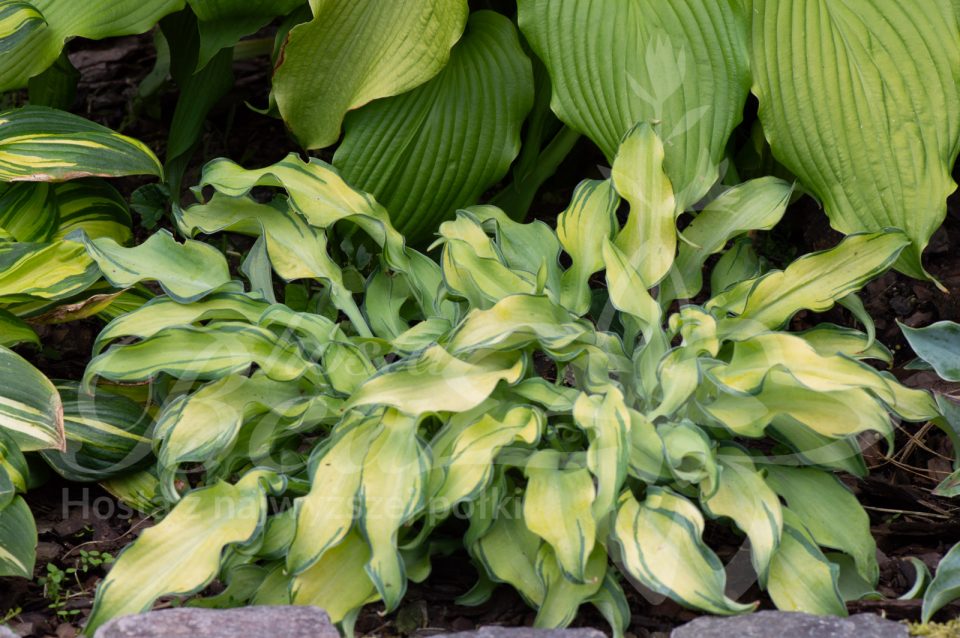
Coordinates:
908	521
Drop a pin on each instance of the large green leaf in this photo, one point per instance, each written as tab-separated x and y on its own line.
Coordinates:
351	53
939	345
33	33
680	65
30	408
182	553
39	144
434	149
864	108
18	539
224	22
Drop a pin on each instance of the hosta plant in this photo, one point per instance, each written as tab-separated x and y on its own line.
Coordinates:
573	432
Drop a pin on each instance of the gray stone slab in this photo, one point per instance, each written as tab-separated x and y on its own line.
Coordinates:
6	633
524	632
249	622
779	624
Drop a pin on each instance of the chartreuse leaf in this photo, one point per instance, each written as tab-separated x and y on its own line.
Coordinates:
18	539
743	496
31	412
680	65
33	33
689	455
337	582
939	345
814	282
436	381
829	339
754	205
649	236
645	452
38	144
801	578
508	551
434	149
662	548
582	228
829	512
945	586
606	420
182	553
405	43
739	263
563	597
557	507
185	271
874	80
46	271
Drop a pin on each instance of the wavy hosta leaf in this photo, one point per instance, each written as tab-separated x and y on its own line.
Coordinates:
939	345
607	421
582	228
38	144
18	539
829	339
369	50
679	64
865	108
30	408
508	551
44	271
437	148
185	271
563	597
945	586
663	549
801	578
182	553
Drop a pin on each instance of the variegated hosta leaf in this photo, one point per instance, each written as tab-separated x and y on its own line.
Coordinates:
182	553
38	144
742	496
689	455
435	381
18	538
662	548
28	212
864	108
95	207
649	236
557	507
814	282
606	420
185	271
563	597
508	551
829	512
812	448
680	64
628	292
33	33
438	147
612	604
829	339
45	271
14	471
801	578
202	354
646	457
31	412
754	205
406	43
582	229
939	345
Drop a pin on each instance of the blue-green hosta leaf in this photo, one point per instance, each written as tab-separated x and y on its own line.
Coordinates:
185	271
437	148
939	345
662	548
743	496
202	354
801	578
18	539
814	282
945	586
607	421
754	205
508	551
31	412
829	512
864	109
436	381
679	64
557	507
33	33
45	271
182	553
38	144
563	597
404	44
582	228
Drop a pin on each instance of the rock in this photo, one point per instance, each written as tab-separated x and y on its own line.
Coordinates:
780	624
249	622
6	633
524	632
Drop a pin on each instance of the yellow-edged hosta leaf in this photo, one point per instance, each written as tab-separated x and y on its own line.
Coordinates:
182	553
829	512
31	412
649	236
557	507
18	538
679	64
404	43
582	228
742	496
185	271
662	548
801	578
865	108
436	381
38	144
45	271
606	420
